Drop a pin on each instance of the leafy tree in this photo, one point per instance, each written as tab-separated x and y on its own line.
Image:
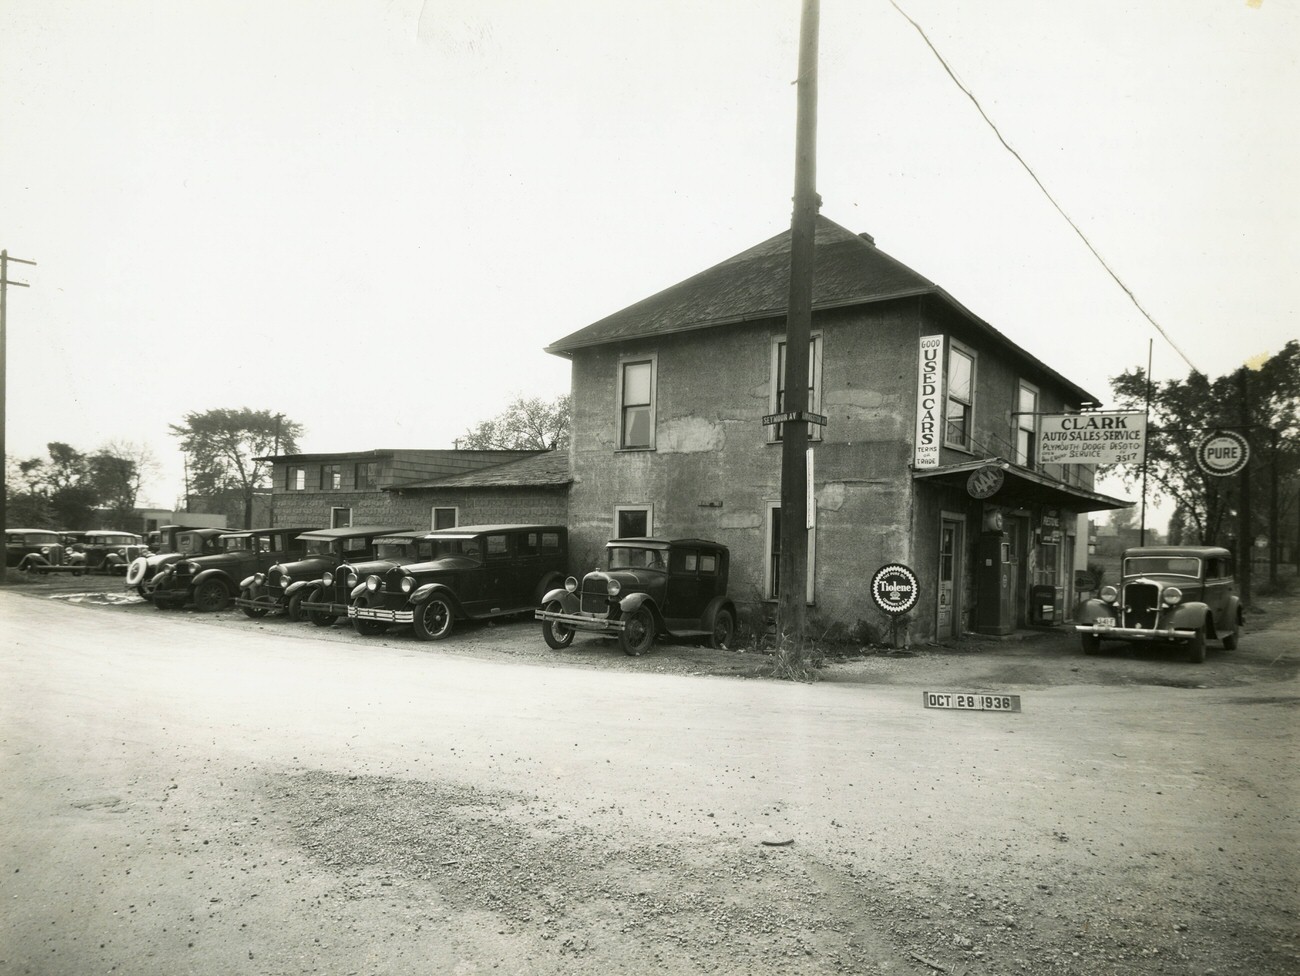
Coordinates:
221	448
63	490
528	424
1262	401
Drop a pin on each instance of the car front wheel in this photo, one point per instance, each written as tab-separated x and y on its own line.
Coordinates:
1196	646
638	634
433	619
1230	638
558	635
1091	643
254	612
211	596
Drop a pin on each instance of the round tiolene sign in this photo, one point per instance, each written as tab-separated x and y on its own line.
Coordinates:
1223	453
894	588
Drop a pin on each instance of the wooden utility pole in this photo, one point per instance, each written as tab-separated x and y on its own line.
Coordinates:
793	564
1245	531
4	391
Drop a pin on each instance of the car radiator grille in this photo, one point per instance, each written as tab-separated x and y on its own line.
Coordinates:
1141	602
595	602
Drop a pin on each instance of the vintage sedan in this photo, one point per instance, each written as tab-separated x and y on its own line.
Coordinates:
330	598
1182	595
175	542
648	588
34	550
210	582
107	551
284	586
477	571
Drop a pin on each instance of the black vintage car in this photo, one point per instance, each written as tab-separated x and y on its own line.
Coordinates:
329	599
284	586
1182	595
175	542
477	571
34	550
210	582
648	588
107	551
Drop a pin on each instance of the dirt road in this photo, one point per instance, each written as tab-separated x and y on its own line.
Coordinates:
186	794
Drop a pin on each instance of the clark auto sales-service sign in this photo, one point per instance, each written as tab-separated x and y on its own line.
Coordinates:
1092	438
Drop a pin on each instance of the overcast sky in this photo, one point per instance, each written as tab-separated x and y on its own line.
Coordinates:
371	215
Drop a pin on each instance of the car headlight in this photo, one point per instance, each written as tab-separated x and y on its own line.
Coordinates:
408	584
285	581
613	587
45	550
1109	594
327	579
259	579
1172	596
372	583
352	580
571	585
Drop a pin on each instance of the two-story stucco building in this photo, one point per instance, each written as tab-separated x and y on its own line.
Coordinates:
919	394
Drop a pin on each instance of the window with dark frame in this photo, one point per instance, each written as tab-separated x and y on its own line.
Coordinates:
636	422
960	398
295	478
367	475
331	477
814	385
1026	425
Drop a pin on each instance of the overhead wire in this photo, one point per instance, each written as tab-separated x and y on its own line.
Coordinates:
1034	176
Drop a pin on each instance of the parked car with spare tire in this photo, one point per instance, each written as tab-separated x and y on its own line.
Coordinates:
647	588
211	582
175	542
1179	595
283	587
477	572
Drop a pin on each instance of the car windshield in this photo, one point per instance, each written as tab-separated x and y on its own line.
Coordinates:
35	539
317	547
635	557
403	550
1189	566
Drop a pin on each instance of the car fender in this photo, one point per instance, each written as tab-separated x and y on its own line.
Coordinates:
423	593
209	574
358	590
717	604
569	603
247	582
635	601
1092	609
1189	616
293	588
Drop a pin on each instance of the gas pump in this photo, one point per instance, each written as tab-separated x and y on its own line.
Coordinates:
995	578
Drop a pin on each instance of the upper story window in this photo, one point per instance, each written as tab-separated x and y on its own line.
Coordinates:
636	396
777	399
367	474
331	477
1025	425
960	403
295	478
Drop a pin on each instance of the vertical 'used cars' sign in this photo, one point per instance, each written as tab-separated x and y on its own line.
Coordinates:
929	402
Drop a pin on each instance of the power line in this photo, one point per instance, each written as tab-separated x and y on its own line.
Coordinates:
1083	237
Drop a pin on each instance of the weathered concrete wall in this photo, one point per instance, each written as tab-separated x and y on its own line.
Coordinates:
713	472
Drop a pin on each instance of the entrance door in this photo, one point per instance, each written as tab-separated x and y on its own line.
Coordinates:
1015	530
950	547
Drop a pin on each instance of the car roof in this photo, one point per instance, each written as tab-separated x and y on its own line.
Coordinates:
1177	551
405	535
245	533
353	532
467	531
51	531
99	532
655	543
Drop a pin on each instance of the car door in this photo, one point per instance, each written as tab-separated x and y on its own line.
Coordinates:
686	597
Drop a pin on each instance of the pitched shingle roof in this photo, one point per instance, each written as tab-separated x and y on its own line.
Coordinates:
548	469
755	284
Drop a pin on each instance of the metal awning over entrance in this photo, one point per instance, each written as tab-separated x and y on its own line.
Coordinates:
1021	487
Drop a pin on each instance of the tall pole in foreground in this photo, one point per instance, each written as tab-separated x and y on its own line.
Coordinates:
4	390
793	564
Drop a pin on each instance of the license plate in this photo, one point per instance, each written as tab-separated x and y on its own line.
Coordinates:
971	701
1104	622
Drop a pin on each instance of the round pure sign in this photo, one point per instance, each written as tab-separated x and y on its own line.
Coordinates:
1223	453
894	588
985	482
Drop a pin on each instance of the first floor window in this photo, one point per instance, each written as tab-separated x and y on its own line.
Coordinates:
772	571
340	518
636	398
633	521
444	518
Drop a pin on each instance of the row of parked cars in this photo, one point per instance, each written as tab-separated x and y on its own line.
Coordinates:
50	551
377	577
